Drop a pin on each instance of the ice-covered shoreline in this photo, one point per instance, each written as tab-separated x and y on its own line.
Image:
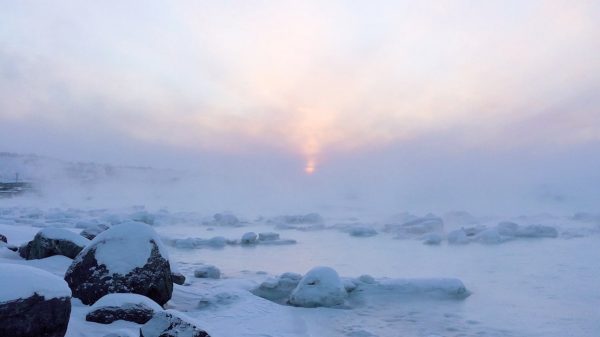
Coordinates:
394	255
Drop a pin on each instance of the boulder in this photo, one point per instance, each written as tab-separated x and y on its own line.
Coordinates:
53	241
278	289
170	324
178	278
249	238
126	307
320	287
33	302
3	238
207	271
128	258
91	232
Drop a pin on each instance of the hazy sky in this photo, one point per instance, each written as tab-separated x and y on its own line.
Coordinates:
312	84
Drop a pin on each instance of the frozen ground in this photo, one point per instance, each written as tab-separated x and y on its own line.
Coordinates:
520	285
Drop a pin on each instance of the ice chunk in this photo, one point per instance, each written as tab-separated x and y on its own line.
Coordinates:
320	287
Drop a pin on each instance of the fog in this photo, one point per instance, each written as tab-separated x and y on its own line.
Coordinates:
429	107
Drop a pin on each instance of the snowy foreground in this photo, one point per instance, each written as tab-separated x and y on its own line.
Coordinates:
309	275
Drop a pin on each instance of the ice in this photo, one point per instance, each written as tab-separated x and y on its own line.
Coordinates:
458	237
320	287
268	236
249	238
19	281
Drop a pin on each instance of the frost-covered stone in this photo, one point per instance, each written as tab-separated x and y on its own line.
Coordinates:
207	271
279	288
178	278
362	231
268	236
33	302
128	258
53	241
458	237
249	238
537	231
91	232
171	324
320	287
226	219
127	307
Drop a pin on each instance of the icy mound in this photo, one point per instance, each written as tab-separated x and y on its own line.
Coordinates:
320	287
19	281
502	232
436	287
207	271
278	289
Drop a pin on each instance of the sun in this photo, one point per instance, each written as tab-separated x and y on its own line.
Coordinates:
310	167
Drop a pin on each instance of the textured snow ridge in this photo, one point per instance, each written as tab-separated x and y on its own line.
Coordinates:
19	281
121	249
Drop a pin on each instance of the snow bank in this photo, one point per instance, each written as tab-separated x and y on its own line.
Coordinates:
19	281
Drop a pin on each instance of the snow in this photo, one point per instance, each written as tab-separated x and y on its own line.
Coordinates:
321	286
64	234
125	300
125	247
19	281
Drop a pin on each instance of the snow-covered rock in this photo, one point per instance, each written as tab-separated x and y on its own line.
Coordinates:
128	258
91	232
458	237
178	278
207	271
53	241
268	236
249	238
278	289
171	324
432	239
226	219
128	307
320	287
33	302
361	231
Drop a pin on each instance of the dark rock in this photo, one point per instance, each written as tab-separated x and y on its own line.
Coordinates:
44	244
3	238
89	279
35	316
138	313
178	278
166	324
91	232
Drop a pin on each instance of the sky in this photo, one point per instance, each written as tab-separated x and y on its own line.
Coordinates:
430	100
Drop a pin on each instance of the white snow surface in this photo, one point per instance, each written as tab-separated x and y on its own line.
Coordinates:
19	281
126	246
